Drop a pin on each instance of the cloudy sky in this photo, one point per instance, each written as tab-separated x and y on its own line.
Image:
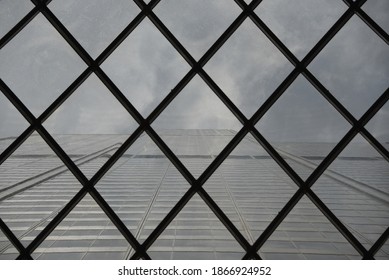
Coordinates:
38	65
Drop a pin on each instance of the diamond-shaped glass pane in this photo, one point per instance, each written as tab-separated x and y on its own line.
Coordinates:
145	67
378	126
86	233
34	186
196	233
38	65
307	234
354	66
302	125
197	23
95	23
356	188
11	12
378	10
248	68
300	23
192	119
250	188
80	120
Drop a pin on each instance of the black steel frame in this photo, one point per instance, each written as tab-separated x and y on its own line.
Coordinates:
300	67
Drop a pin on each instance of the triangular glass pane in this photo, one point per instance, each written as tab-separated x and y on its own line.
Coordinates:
145	67
138	185
12	123
91	125
378	126
302	125
194	234
34	186
195	125
95	23
248	68
378	10
300	24
250	188
11	12
38	64
7	250
197	24
383	253
354	66
307	234
356	188
86	233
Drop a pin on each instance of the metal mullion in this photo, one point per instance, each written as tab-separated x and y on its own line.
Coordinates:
276	222
167	220
378	244
225	220
56	220
375	143
171	156
117	222
243	5
18	27
336	222
373	25
13	239
338	25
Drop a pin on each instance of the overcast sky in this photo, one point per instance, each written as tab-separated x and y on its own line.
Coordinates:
38	65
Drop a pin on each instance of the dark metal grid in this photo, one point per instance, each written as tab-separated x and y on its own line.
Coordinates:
248	125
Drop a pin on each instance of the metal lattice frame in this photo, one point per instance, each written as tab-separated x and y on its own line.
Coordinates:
300	67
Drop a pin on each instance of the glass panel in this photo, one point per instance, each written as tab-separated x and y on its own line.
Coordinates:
188	125
84	233
86	134
38	65
307	234
11	12
7	250
12	123
302	125
300	24
383	253
378	10
196	233
145	67
250	188
354	66
378	126
197	24
142	187
34	186
356	188
248	68
95	23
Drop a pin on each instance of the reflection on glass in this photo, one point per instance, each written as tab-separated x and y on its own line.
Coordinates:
248	68
307	234
302	125
11	12
145	67
196	233
250	188
12	123
197	24
34	186
38	65
300	24
196	108
94	23
354	66
80	119
356	188
85	233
